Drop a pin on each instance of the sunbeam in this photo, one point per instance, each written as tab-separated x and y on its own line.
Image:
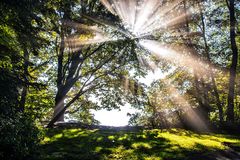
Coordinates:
159	13
75	42
89	35
195	119
139	17
143	18
178	55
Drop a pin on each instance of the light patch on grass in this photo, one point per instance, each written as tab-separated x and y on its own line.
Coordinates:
99	139
124	137
121	153
220	138
142	136
45	140
195	141
58	136
52	139
98	149
111	137
152	158
140	145
190	142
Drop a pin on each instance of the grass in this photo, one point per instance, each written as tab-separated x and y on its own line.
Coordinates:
82	144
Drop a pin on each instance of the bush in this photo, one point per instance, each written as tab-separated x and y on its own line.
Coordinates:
19	137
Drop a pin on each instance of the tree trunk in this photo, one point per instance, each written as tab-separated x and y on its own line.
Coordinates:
66	70
59	99
219	104
24	89
215	90
201	98
59	105
233	68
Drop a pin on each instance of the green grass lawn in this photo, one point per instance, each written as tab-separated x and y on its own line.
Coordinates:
173	144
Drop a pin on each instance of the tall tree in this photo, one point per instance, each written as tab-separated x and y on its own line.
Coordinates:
207	55
234	61
21	27
201	90
83	69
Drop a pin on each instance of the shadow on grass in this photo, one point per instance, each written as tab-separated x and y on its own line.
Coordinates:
82	144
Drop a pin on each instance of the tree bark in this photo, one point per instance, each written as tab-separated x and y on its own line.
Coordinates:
207	55
200	97
233	68
24	89
59	105
59	99
70	82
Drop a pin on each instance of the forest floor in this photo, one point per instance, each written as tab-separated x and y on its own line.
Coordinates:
110	144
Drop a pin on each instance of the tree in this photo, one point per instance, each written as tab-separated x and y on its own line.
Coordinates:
83	69
207	55
20	26
234	62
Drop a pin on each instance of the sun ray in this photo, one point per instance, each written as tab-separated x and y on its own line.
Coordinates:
194	118
75	42
179	55
145	17
108	5
92	35
142	17
81	27
144	14
156	18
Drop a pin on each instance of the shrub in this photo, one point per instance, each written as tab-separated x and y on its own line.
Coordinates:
19	137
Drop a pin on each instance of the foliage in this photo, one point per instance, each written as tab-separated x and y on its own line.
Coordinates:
42	66
207	90
19	136
20	39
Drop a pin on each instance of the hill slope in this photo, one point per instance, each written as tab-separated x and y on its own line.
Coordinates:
109	144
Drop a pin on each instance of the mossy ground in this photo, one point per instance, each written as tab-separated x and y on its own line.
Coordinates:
83	144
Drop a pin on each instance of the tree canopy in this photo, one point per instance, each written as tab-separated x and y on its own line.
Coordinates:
63	59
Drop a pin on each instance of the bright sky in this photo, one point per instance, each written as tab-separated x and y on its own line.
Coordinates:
120	118
114	117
